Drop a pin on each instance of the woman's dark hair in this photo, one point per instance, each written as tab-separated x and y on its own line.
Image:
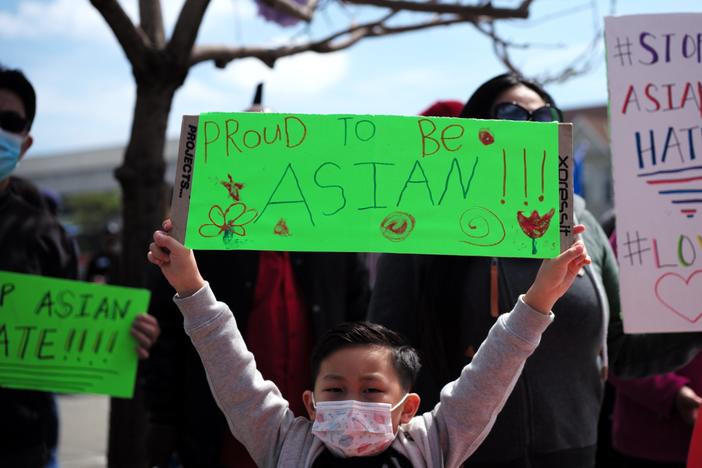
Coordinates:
405	358
479	105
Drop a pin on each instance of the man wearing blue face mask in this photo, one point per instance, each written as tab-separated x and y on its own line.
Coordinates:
31	239
32	242
17	108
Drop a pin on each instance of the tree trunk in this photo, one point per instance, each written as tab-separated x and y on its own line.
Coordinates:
143	209
141	179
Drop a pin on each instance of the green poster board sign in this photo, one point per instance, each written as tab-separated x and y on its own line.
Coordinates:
368	183
68	336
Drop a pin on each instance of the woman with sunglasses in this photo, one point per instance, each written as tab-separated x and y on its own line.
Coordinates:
446	304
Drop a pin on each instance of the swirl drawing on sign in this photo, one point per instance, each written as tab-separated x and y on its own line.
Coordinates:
535	225
675	293
397	226
229	222
482	227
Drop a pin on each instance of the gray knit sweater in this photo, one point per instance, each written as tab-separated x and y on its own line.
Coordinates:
259	416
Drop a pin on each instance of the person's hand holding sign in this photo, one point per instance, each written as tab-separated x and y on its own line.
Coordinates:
145	330
177	263
687	403
556	276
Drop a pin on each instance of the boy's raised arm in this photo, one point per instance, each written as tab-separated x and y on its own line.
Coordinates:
256	412
177	263
556	275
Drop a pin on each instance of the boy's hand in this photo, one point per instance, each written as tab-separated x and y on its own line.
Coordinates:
556	275
177	263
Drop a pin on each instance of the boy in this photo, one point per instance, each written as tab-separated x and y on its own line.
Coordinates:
361	405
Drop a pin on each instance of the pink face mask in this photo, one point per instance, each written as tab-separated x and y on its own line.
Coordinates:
353	428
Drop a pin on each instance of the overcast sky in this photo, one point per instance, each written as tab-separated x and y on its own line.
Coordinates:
86	92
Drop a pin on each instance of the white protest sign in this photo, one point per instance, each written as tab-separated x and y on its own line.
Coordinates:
654	70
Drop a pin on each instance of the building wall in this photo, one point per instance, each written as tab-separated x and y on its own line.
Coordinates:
85	171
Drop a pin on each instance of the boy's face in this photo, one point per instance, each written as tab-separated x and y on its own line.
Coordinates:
362	373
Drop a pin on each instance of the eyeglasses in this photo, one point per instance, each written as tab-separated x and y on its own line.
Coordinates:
12	122
513	111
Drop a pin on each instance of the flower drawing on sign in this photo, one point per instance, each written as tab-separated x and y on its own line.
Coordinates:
535	225
229	222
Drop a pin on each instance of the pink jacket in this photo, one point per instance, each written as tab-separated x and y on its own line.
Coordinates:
646	421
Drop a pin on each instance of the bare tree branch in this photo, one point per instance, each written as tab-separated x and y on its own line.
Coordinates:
133	42
304	12
459	9
487	28
222	55
500	46
151	20
186	28
579	65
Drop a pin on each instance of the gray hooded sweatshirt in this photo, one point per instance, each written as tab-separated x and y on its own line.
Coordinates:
259	416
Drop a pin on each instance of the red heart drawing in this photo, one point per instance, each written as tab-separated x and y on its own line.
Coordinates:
673	291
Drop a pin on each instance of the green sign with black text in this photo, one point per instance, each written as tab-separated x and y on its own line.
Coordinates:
367	183
68	336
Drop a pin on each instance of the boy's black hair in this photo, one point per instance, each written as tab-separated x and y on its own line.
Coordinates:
404	357
15	81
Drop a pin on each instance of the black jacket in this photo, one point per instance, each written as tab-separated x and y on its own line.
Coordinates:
334	287
32	241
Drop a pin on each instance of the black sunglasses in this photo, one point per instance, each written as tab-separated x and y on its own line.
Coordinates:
12	122
513	111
